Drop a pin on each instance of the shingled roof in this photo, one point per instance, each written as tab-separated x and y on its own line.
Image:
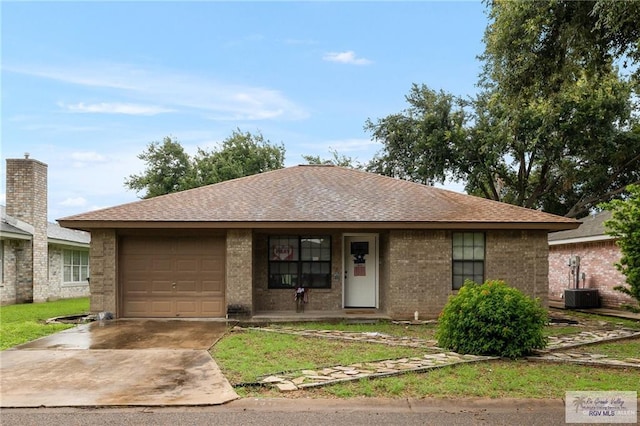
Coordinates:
319	196
591	229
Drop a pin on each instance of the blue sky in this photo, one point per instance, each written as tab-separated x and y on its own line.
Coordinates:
86	86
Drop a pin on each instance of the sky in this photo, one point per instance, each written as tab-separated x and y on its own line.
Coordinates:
87	86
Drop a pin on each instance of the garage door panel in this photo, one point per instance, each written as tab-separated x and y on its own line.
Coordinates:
187	265
187	308
210	286
186	287
137	287
172	276
162	264
136	308
211	306
161	287
213	265
161	307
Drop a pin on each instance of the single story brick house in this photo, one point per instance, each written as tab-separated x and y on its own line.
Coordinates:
39	260
598	253
353	240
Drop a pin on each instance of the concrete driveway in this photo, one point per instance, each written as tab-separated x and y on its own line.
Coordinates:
117	362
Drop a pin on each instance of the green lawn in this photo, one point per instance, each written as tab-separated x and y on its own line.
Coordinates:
25	322
245	355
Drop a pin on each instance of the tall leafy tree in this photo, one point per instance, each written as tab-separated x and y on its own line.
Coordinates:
553	127
241	154
170	169
625	225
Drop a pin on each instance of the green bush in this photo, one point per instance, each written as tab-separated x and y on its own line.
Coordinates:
492	319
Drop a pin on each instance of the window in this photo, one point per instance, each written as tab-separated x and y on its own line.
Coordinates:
1	261
300	261
468	258
75	266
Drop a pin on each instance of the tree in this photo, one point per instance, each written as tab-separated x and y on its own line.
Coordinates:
421	144
625	225
170	169
241	154
553	127
336	159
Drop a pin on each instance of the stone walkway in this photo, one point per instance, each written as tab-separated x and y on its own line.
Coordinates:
290	381
312	378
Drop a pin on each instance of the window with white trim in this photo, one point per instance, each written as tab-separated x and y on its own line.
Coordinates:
75	266
468	258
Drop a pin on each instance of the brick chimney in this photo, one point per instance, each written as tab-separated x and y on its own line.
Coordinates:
27	201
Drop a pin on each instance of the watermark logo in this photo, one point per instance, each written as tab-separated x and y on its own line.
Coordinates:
601	407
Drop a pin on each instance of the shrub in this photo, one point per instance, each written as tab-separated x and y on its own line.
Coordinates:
492	319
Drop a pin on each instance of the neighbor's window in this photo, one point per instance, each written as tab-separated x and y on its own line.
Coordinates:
468	258
75	266
1	261
296	261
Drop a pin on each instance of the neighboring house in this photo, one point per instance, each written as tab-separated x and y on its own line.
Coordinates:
598	253
39	260
360	242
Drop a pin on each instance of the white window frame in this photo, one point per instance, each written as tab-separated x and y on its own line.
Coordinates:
83	278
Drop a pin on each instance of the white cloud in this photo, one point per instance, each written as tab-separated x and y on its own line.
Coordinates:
115	108
74	202
92	157
176	91
348	57
84	159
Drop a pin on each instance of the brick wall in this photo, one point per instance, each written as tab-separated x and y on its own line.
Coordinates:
27	201
103	262
12	273
521	259
419	273
239	269
597	261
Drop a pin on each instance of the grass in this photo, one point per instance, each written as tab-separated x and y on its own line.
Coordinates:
25	322
498	379
617	350
245	355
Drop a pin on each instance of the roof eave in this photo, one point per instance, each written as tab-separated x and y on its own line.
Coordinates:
15	236
69	243
94	224
589	239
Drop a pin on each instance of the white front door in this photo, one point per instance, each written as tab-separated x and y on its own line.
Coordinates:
361	271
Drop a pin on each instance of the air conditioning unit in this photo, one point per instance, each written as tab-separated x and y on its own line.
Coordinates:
581	298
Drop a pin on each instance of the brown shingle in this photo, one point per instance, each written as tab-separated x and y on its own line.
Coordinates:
320	194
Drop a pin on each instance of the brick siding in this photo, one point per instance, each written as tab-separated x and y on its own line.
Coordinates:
239	272
597	261
103	262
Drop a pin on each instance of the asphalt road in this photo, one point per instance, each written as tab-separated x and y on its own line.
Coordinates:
303	412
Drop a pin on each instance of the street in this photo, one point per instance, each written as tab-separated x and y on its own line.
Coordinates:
301	412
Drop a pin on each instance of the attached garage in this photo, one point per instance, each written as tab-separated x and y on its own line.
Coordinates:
172	276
